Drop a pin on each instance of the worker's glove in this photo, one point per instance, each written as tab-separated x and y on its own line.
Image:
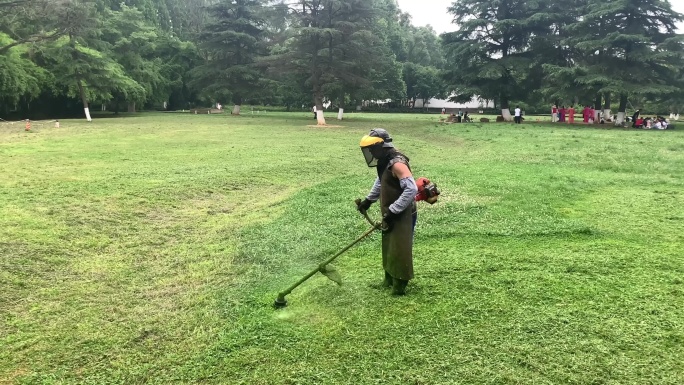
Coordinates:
388	221
364	205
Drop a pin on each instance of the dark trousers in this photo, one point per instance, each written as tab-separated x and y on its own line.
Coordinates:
518	119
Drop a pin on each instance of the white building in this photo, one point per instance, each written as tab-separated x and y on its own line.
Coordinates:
475	104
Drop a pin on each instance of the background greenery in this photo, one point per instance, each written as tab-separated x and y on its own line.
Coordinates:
58	56
150	250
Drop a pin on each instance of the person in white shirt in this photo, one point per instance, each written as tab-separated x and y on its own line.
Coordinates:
518	116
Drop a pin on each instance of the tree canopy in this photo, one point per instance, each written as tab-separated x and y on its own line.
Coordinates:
150	54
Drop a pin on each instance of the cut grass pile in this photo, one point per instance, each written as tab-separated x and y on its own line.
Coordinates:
150	250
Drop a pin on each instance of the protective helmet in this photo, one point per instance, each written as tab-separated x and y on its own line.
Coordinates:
372	145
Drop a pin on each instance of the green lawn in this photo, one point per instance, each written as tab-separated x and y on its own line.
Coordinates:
149	250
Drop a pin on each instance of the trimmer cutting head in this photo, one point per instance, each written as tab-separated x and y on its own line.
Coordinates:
280	302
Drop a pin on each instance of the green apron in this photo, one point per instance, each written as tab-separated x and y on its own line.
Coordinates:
397	245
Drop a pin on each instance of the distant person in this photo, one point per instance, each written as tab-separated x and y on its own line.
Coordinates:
635	117
554	113
663	123
518	115
639	123
585	114
658	125
314	112
571	115
561	114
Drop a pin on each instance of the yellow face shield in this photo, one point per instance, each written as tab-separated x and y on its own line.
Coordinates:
368	143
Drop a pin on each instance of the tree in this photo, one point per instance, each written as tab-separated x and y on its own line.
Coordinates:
31	21
367	69
629	48
20	78
395	31
423	82
232	45
81	64
424	47
332	42
489	55
134	43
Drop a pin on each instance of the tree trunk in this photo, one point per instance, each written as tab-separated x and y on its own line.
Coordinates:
84	99
505	111
622	110
597	107
237	102
131	107
340	112
606	107
319	108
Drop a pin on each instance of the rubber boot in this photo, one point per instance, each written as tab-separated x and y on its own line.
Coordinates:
387	283
399	286
384	284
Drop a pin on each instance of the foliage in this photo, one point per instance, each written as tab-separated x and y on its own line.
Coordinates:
20	77
231	46
334	44
423	82
490	54
134	45
83	70
626	48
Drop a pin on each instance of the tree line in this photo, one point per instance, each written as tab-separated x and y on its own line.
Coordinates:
141	53
591	52
63	55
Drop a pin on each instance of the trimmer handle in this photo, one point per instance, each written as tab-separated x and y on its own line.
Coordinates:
365	213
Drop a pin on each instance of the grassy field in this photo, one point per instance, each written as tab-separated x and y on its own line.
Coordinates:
149	250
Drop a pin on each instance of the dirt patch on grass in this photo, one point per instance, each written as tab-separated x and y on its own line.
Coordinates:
325	126
12	377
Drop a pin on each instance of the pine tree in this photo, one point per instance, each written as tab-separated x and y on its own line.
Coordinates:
629	48
609	45
133	42
31	22
365	67
489	55
233	44
333	43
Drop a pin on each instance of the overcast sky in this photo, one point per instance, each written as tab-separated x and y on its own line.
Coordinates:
434	13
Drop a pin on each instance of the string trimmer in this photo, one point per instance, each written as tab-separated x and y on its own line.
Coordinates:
323	267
